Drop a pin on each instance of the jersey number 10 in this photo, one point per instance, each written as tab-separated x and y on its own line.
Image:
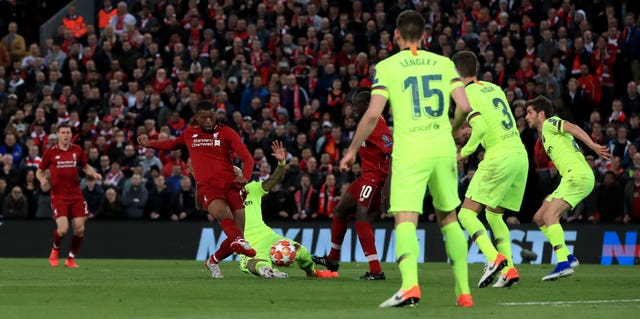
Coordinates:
411	83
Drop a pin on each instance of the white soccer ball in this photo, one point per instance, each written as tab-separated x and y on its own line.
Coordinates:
283	253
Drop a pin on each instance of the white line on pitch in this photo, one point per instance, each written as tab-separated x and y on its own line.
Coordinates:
531	303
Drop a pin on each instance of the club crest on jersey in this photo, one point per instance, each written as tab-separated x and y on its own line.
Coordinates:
57	157
194	135
364	144
387	141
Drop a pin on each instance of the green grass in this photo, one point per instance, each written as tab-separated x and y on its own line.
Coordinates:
105	288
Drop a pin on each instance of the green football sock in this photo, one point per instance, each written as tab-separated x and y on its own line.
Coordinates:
303	258
556	238
407	251
455	243
477	231
501	235
543	229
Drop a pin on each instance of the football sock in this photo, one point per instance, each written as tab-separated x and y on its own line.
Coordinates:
455	243
407	251
230	228
224	251
76	243
338	230
543	229
477	231
368	243
57	240
556	238
303	258
501	235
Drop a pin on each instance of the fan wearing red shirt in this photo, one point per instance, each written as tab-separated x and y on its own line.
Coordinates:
211	147
364	195
62	160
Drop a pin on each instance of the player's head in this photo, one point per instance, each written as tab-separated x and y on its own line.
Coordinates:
360	102
205	116
466	63
64	134
410	26
538	110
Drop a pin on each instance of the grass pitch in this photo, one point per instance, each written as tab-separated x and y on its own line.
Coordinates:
106	288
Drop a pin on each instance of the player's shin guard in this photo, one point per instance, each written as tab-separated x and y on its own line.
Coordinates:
224	251
368	243
501	235
407	251
477	231
456	246
338	230
556	238
57	240
76	243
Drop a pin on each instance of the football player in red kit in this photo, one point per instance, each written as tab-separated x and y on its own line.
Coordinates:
63	159
364	195
211	146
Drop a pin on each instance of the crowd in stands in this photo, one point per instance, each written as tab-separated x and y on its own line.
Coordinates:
286	70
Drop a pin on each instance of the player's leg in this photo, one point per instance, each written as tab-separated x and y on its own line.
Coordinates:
79	214
502	239
364	217
407	193
443	186
60	213
339	225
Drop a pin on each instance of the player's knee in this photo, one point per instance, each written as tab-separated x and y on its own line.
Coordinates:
79	231
465	215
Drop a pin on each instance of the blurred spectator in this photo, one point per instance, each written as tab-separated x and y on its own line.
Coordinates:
30	189
111	206
14	43
8	172
183	202
15	205
93	195
75	23
631	205
121	19
134	198
609	199
12	148
160	197
328	197
105	14
631	100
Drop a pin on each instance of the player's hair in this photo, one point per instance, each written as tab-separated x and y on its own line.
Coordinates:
204	106
466	63
64	125
541	103
360	102
410	25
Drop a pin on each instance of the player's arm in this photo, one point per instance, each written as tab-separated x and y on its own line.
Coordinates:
478	129
44	164
90	171
578	133
368	121
167	145
243	153
41	177
278	174
462	106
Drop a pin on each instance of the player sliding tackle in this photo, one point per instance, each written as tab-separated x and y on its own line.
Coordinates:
418	85
210	145
364	196
558	137
262	236
500	180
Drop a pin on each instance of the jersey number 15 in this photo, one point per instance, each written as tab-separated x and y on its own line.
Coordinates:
412	83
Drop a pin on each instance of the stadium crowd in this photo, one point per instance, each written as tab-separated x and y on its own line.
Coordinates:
286	70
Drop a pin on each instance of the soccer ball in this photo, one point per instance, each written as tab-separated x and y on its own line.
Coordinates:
283	253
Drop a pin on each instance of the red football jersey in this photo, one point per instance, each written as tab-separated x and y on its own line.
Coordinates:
65	182
375	151
211	153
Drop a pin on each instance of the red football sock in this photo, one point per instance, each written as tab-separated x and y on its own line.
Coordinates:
224	251
338	230
368	243
57	240
230	228
76	243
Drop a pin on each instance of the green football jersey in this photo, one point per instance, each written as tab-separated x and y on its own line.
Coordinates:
563	149
418	86
500	133
254	226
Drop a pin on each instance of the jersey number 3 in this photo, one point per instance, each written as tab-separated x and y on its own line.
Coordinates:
508	123
411	83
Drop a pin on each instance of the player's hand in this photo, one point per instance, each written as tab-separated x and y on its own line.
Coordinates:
43	181
347	160
460	158
278	150
97	176
240	180
143	140
602	151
